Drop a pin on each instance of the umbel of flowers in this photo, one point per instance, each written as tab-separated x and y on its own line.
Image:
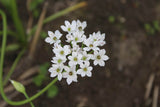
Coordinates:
74	59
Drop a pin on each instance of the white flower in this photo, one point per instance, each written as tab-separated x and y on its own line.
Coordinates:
99	57
62	51
98	37
86	57
58	60
69	27
85	70
91	45
69	38
53	37
77	37
70	74
56	70
76	48
81	26
75	59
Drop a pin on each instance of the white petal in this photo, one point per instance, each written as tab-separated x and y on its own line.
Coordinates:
71	63
105	57
51	69
69	81
66	68
90	68
84	24
101	63
82	74
53	74
89	74
57	32
82	65
59	76
63	28
49	40
67	23
86	48
74	54
73	25
50	33
70	57
87	63
95	62
65	74
102	52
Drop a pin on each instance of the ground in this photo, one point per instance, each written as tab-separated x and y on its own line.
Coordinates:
134	55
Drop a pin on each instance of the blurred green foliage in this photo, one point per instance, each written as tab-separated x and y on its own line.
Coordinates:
52	91
42	76
39	79
43	35
34	4
34	7
111	19
153	27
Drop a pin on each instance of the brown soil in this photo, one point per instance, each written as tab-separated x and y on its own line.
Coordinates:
134	55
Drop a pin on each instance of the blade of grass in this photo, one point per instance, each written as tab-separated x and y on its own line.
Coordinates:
13	67
17	22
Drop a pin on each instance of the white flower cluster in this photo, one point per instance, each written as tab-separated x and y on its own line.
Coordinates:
74	59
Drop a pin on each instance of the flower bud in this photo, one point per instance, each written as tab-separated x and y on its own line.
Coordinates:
18	86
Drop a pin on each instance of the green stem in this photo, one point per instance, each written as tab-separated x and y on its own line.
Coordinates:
13	67
1	70
27	97
17	21
91	52
59	14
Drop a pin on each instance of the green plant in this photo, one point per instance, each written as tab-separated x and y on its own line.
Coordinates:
111	19
152	28
11	6
23	38
34	7
39	79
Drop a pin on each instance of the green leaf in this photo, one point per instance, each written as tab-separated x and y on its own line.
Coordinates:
38	80
52	91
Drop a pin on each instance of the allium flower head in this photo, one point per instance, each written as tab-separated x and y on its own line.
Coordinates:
74	58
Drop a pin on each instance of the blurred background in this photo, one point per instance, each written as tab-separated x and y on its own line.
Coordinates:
130	78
